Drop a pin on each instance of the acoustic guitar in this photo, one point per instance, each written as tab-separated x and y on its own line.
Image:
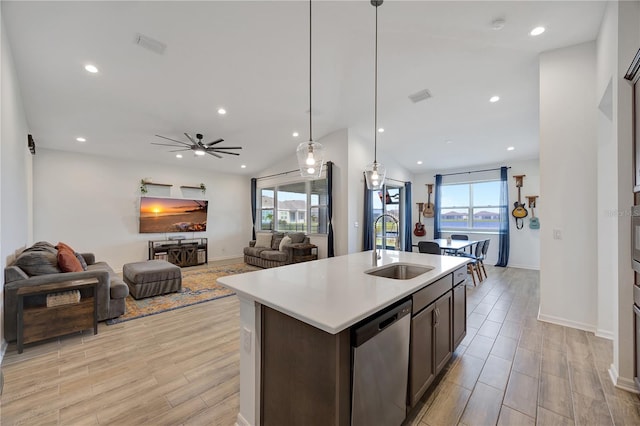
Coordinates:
519	212
419	230
428	208
534	222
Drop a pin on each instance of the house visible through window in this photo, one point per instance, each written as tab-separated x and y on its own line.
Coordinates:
470	206
299	206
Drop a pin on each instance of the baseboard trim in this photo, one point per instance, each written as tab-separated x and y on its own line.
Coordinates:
622	382
241	421
566	323
605	334
532	268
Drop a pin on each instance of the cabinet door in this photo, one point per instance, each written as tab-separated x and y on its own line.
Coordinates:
459	314
443	346
421	366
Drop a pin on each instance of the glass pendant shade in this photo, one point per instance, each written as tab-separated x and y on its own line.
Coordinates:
310	159
375	174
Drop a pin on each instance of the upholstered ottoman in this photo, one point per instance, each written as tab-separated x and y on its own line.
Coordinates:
151	278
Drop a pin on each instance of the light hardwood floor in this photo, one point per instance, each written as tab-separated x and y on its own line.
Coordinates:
181	367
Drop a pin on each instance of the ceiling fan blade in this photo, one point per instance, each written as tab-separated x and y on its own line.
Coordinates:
214	154
190	138
215	142
225	147
164	144
164	137
222	152
180	150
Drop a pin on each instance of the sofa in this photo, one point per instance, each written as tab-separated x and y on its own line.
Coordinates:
39	264
268	249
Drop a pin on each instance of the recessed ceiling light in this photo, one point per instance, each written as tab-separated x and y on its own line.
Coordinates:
296	134
243	166
199	152
81	139
511	148
419	162
222	111
178	155
91	68
494	99
537	31
448	141
498	24
380	130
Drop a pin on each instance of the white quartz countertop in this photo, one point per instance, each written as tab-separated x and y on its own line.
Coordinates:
334	294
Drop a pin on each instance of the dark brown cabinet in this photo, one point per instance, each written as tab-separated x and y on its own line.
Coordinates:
422	368
180	252
459	314
442	344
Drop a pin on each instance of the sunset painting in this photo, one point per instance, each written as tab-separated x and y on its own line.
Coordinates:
158	215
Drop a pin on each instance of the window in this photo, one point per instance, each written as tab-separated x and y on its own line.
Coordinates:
387	233
299	206
470	206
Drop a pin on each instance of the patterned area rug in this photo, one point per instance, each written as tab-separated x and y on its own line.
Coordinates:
197	286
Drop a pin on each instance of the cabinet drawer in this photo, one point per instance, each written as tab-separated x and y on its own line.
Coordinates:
429	294
459	275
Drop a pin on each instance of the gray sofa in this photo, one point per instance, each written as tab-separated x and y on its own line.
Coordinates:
270	257
38	265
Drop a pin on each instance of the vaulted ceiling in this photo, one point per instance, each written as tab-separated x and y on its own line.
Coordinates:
251	58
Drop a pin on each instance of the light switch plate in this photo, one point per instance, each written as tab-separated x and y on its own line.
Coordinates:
557	234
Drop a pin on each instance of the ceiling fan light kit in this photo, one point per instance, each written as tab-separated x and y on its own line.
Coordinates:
375	172
310	154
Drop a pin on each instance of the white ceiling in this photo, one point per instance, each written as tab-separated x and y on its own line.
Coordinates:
252	59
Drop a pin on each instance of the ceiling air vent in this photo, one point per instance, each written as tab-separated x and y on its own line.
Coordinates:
150	44
420	96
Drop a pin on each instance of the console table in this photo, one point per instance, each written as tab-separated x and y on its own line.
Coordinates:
183	252
37	322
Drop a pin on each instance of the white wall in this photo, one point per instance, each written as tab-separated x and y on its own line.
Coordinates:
524	248
15	168
568	272
91	203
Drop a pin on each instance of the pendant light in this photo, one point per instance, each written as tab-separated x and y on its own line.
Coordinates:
310	154
375	172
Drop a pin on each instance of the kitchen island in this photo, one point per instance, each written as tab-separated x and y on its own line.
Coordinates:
295	341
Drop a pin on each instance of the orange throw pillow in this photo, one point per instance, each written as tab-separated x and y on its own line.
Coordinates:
67	261
63	245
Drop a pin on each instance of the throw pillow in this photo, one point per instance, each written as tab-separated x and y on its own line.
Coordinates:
68	262
275	243
263	239
83	262
63	245
285	240
297	237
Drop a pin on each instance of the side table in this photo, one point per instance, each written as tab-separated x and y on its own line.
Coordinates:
304	252
38	322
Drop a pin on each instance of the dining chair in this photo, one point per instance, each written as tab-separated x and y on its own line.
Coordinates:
474	265
429	247
483	256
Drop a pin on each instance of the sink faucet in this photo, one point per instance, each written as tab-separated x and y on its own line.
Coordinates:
376	255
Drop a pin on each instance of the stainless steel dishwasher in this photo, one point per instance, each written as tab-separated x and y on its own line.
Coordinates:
380	367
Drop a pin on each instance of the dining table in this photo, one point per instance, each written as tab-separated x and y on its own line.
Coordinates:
454	245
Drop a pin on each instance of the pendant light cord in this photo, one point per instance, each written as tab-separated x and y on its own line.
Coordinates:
310	120
375	120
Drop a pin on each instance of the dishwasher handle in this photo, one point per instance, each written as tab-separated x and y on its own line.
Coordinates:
379	322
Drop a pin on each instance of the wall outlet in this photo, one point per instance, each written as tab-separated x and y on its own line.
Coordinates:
246	339
557	234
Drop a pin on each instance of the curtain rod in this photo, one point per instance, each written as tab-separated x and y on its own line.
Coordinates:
324	166
473	171
395	180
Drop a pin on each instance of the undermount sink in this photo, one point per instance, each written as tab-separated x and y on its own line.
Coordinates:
399	271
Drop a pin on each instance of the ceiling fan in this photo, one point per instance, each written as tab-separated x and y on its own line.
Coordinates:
198	147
